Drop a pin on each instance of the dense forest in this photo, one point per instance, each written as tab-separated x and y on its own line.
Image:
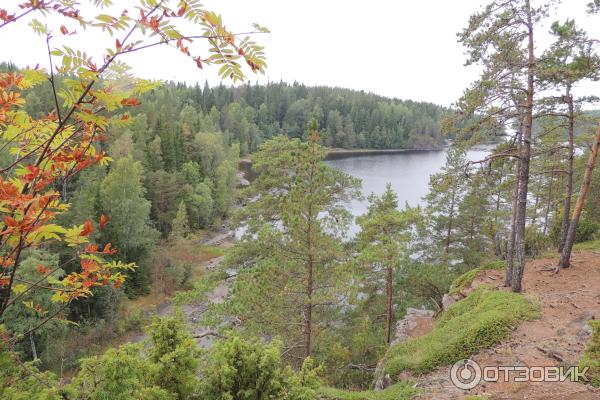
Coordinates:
250	114
119	275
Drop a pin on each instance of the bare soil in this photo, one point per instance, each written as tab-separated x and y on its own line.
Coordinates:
568	300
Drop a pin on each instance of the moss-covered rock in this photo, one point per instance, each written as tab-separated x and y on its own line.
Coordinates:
465	280
479	321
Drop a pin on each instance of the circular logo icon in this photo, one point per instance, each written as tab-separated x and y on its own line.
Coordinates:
465	374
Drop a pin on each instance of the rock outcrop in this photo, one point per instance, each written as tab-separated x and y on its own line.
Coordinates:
416	322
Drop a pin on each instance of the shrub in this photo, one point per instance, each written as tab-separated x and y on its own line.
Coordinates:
239	369
399	391
586	230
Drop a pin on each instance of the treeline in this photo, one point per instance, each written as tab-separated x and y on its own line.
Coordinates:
250	114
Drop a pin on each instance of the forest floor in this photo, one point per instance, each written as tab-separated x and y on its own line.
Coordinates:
567	300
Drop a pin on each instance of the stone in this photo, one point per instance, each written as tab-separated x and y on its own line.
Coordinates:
585	332
447	301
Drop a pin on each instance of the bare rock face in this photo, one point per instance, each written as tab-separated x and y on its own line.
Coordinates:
383	382
448	300
242	181
415	323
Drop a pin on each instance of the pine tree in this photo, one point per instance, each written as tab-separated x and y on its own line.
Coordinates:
296	219
384	240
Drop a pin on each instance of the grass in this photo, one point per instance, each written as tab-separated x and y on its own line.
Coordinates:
591	356
399	391
479	321
590	245
212	251
464	281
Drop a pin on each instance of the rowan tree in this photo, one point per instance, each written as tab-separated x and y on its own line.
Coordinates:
51	148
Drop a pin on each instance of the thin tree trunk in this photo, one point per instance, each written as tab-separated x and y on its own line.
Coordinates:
450	221
308	307
564	228
389	308
494	223
33	348
548	204
565	256
521	218
536	203
510	253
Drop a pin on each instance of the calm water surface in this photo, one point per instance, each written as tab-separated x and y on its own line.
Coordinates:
407	172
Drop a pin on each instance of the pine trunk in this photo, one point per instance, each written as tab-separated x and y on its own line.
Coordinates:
389	308
525	156
308	307
564	228
510	253
565	256
450	220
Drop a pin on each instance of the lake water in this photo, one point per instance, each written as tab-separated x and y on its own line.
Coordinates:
408	173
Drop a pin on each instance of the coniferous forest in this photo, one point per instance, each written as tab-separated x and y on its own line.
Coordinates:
139	260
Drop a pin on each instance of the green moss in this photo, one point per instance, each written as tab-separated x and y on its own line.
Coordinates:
479	321
399	391
464	281
476	398
591	356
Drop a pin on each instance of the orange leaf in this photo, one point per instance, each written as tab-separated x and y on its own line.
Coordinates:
108	249
42	270
131	102
102	221
87	228
10	221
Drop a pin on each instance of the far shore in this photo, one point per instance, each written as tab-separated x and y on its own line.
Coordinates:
337	153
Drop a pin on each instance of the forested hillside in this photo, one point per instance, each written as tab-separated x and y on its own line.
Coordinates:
136	262
249	114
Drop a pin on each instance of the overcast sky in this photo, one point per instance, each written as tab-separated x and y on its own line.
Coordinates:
397	48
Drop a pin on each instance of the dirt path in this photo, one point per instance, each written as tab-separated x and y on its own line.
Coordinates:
568	300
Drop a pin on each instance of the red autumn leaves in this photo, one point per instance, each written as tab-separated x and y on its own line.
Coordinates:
130	102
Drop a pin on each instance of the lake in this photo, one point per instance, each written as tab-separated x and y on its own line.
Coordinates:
408	172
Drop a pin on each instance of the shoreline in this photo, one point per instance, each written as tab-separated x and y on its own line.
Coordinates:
334	153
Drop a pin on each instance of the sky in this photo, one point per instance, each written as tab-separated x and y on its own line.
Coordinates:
395	48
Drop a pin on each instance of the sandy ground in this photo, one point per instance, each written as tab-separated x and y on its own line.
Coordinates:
568	300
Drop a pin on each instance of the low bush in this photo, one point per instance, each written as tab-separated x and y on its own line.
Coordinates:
399	391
